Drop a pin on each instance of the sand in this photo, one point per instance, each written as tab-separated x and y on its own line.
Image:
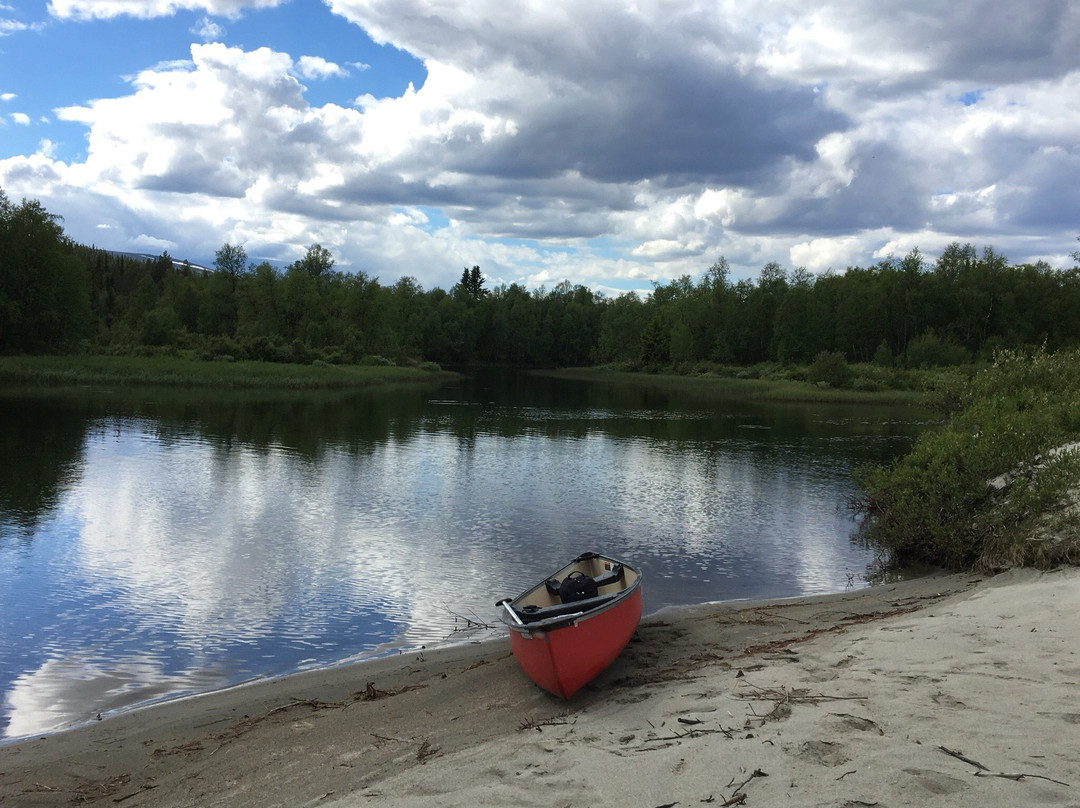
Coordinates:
946	691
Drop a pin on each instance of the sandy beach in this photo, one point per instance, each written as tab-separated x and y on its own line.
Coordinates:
945	691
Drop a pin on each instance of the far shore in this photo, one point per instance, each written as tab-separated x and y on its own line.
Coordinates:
780	391
48	371
180	372
949	690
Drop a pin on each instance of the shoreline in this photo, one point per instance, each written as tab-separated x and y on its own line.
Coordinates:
869	682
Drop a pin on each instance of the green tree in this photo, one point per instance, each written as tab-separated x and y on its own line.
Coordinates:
471	285
317	261
621	323
231	261
44	288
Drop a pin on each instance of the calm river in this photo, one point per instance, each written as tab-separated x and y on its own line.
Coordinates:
158	543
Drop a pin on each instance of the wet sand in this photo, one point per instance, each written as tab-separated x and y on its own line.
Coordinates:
949	690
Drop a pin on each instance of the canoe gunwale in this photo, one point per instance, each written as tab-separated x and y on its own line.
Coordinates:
602	603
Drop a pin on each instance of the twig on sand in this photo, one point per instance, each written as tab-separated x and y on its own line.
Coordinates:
141	789
314	704
466	625
426	750
379	737
783	698
842	625
738	788
778	616
90	791
983	771
539	723
690	733
959	756
370	693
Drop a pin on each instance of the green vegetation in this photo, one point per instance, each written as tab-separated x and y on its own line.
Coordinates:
166	371
60	297
993	487
790	383
987	489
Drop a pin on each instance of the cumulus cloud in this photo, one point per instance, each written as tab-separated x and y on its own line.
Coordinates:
146	9
208	30
642	140
21	118
315	67
8	27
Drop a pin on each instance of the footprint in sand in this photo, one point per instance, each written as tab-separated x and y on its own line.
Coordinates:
823	753
936	782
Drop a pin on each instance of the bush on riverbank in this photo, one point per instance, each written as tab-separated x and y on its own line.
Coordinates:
828	378
997	485
172	371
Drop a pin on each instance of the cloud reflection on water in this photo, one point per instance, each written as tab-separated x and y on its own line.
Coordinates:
190	560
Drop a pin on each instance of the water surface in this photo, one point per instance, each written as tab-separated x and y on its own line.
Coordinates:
158	543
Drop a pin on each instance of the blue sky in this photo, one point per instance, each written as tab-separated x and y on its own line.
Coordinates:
98	55
611	143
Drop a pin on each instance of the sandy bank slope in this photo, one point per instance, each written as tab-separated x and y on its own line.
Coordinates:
839	701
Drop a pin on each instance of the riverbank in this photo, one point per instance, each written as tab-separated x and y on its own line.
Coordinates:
949	689
179	372
778	390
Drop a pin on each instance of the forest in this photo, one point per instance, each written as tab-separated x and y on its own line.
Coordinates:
57	296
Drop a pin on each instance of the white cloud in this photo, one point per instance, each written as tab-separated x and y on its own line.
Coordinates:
315	67
8	96
837	253
8	27
831	134
21	118
208	30
147	243
146	9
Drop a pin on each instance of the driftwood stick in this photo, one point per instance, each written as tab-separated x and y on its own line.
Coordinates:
1020	776
539	723
983	771
753	774
690	733
968	760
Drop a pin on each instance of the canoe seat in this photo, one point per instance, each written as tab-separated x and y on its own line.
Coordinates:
614	575
534	614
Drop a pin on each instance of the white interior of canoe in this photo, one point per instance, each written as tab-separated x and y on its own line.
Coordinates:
593	567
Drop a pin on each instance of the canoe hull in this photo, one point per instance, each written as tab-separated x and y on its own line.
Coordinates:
563	654
565	659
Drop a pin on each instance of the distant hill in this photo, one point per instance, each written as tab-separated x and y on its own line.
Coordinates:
134	256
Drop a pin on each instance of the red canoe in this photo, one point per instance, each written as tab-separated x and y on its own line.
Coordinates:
569	627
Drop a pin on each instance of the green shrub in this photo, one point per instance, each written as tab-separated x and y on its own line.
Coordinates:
981	490
931	351
830	368
883	355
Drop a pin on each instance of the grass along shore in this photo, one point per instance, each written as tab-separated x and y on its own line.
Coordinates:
166	371
749	386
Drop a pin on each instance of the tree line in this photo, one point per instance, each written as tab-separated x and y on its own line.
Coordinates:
60	296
